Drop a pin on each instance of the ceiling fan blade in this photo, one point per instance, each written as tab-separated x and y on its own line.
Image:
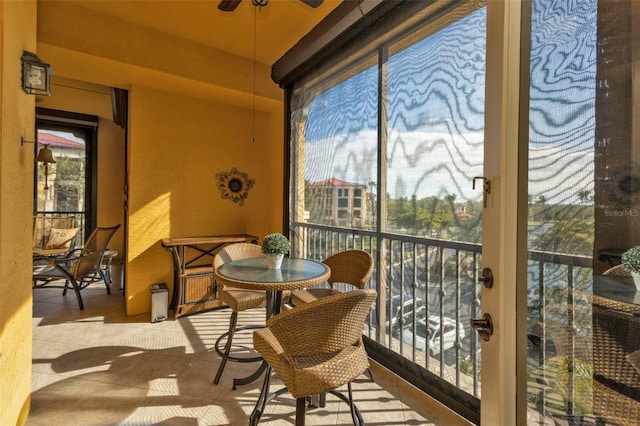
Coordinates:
228	5
312	3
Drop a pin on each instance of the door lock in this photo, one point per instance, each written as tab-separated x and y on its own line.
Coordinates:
487	277
486	188
484	326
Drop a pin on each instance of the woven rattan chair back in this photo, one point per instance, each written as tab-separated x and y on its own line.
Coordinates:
350	267
236	251
325	326
616	360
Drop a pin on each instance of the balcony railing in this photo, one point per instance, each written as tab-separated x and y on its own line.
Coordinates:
421	279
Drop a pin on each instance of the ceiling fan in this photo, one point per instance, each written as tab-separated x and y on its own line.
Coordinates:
230	5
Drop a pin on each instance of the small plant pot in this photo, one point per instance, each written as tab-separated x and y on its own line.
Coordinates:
274	260
636	280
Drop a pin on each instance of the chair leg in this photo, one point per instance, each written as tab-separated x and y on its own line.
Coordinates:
76	289
370	374
107	280
317	400
300	408
262	399
351	406
227	348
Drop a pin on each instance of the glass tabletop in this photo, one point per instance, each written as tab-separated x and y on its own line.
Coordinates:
255	270
616	288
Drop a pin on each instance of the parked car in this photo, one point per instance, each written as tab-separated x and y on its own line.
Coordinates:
431	332
399	317
403	315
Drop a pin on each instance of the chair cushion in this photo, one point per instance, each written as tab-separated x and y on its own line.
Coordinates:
51	252
60	238
307	296
239	299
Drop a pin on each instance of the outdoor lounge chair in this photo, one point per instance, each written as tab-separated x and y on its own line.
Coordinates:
80	267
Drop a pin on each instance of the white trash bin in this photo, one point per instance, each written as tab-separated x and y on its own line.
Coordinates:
159	302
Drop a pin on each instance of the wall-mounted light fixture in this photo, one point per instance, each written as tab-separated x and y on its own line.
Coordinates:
36	75
45	155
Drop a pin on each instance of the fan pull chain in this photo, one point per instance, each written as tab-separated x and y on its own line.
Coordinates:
256	3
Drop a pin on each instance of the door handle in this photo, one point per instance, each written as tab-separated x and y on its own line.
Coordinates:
484	326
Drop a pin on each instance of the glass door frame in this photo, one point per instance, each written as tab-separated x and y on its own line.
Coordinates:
504	238
86	126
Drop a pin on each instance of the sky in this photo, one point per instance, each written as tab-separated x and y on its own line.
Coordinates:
435	109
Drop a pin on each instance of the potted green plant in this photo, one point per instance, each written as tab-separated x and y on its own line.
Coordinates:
631	262
275	246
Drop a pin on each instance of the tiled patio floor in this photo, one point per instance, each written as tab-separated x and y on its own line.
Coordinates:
100	367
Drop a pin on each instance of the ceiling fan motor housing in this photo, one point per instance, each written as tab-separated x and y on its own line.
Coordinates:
230	5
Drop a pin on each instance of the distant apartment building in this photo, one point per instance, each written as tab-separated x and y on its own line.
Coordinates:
337	203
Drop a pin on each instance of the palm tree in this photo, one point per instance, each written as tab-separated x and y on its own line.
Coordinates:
585	196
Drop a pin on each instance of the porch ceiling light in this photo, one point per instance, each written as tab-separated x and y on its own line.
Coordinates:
36	75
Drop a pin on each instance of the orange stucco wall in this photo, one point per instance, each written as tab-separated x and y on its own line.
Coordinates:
177	144
17	33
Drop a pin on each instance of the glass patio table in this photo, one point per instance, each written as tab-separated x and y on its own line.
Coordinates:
253	274
616	288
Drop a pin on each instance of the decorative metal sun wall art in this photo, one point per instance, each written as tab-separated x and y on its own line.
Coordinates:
234	185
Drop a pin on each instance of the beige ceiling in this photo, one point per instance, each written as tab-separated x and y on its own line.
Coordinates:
278	26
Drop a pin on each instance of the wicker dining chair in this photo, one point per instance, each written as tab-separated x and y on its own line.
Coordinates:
78	270
352	267
616	360
238	299
315	348
610	354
